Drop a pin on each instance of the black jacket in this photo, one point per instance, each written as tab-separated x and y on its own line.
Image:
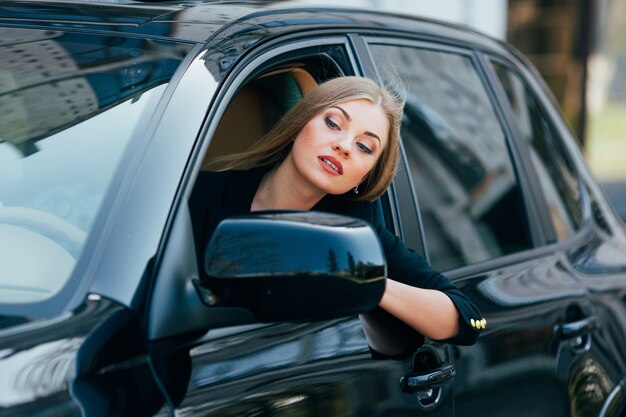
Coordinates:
218	195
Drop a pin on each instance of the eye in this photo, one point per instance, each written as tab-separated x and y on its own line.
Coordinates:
331	124
364	148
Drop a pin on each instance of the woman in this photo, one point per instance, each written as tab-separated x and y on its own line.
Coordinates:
337	150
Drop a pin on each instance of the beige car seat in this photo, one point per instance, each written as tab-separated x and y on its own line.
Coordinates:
255	109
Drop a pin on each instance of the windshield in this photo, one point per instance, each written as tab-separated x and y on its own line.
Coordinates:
69	106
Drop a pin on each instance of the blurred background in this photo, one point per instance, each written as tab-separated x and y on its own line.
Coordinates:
578	46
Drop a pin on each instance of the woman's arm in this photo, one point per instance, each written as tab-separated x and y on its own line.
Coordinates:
422	297
418	300
405	316
430	312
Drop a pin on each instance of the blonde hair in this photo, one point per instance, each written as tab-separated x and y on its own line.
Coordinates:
275	144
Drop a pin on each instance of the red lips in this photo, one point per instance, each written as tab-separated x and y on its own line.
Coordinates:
330	164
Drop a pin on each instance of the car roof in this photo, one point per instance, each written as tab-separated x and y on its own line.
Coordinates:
199	21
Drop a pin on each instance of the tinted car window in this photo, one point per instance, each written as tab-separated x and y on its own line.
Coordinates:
555	171
69	104
468	193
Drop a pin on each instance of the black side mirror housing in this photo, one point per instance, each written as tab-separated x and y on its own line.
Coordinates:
295	265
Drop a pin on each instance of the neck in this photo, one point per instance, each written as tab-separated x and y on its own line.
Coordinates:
284	189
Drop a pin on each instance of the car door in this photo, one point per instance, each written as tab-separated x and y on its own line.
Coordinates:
590	243
309	369
480	224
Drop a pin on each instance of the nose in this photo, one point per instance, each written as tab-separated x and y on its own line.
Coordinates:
342	148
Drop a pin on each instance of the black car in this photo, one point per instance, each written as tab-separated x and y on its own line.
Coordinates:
110	111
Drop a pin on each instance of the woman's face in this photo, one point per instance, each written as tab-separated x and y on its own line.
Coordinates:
337	148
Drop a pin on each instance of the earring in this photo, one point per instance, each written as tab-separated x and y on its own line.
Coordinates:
356	189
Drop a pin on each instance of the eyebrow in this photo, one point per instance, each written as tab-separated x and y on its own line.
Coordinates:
347	116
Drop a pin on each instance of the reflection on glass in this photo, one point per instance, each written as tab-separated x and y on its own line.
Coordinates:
469	198
555	171
69	106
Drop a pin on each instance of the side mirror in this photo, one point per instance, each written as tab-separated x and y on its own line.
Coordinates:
294	266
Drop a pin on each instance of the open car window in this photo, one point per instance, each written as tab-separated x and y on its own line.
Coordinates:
257	104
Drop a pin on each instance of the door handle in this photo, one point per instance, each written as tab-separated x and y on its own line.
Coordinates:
577	328
414	383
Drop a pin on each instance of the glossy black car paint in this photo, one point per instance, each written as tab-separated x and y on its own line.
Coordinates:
131	337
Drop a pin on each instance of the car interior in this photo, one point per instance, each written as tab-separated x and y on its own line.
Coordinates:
255	109
261	102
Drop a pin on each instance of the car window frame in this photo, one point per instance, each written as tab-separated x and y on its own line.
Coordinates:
536	235
253	63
